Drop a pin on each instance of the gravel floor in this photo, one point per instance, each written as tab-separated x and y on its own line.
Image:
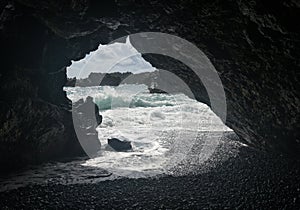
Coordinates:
252	179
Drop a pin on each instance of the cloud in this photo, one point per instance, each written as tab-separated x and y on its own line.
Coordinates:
117	57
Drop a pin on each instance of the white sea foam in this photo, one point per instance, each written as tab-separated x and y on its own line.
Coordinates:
162	127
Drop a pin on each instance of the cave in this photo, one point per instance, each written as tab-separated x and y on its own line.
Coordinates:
152	110
253	46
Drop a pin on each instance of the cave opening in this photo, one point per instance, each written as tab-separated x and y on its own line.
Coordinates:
254	49
151	108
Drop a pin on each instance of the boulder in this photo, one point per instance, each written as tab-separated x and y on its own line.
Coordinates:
156	90
119	145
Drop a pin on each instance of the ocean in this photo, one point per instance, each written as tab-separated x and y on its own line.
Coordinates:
161	127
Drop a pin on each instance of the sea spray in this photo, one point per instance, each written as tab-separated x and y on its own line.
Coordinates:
162	127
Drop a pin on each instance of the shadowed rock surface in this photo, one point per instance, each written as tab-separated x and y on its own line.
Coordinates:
254	46
119	145
86	118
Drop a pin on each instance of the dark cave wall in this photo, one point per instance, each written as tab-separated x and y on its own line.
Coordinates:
254	46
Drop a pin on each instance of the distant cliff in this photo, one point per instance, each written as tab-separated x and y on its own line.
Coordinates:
96	79
117	78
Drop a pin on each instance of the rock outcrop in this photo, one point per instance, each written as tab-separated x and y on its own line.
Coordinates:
89	112
119	145
254	46
86	118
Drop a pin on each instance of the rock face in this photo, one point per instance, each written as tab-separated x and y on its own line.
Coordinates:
89	111
119	145
254	46
86	118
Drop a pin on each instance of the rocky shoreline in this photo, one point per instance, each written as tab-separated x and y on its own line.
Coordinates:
253	179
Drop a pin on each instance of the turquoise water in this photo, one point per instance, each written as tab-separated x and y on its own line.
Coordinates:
130	96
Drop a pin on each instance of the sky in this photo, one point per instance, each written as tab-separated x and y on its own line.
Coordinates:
116	57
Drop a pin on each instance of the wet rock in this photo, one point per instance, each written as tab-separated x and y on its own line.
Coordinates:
119	145
86	118
156	90
89	111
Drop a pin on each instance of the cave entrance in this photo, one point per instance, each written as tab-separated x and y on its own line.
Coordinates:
162	127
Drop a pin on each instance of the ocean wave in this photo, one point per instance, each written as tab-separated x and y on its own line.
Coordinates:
130	96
